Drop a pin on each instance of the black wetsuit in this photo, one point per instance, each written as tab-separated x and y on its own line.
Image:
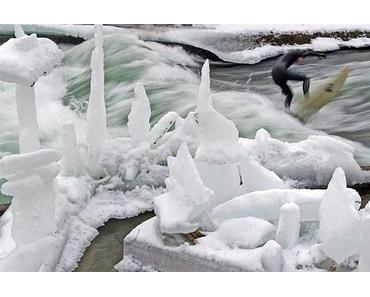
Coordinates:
281	74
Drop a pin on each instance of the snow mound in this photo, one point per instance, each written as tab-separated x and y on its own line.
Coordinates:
244	233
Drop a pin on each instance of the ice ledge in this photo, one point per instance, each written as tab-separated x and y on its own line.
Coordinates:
145	245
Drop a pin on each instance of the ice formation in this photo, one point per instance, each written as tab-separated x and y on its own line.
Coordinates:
364	262
96	112
255	177
218	154
71	164
339	219
178	210
138	119
288	227
266	204
162	126
30	181
314	159
18	31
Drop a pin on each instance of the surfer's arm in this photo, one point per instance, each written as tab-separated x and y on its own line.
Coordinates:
315	54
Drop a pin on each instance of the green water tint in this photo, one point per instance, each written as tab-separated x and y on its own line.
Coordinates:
4	199
126	61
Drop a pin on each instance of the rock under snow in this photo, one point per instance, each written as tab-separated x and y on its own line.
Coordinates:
339	219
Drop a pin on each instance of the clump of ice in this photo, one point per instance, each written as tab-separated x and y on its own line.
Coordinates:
339	219
311	161
288	228
25	59
138	119
187	197
244	233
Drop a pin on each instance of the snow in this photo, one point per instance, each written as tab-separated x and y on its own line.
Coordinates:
287	234
339	219
96	112
311	161
138	119
187	197
266	204
244	233
25	59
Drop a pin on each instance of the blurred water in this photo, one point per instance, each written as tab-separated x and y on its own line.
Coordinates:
244	94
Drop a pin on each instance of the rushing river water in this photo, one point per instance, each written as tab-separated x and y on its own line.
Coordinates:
243	93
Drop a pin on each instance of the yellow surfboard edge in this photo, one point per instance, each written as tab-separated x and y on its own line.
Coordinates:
320	95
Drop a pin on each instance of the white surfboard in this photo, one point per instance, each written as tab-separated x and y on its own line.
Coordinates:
321	95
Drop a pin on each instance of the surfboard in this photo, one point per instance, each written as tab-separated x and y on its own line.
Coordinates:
320	95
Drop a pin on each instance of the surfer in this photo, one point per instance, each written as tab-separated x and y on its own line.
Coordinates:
281	74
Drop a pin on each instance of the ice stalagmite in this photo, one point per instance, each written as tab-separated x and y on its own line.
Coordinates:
187	198
28	129
138	119
288	228
71	163
96	112
339	219
219	150
18	31
364	263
